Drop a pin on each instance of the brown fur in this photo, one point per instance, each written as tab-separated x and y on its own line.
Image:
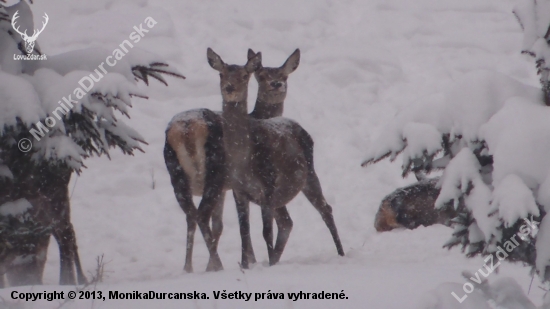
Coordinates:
187	138
386	218
412	206
186	155
269	161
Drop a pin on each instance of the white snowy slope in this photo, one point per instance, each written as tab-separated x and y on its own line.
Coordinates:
362	62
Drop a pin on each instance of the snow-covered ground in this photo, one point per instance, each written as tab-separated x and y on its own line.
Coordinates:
362	62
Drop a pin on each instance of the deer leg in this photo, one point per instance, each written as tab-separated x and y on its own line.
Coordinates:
267	218
64	234
41	255
81	278
186	203
59	211
210	199
69	258
314	194
191	228
243	209
185	200
217	223
182	191
284	226
64	239
206	207
213	193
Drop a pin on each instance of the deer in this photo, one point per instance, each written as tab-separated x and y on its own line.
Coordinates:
191	138
45	188
269	161
29	40
412	206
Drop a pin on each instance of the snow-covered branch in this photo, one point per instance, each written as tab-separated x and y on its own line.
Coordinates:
68	103
490	134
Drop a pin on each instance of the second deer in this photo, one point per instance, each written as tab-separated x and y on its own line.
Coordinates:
268	162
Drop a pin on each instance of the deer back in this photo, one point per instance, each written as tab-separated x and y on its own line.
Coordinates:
412	206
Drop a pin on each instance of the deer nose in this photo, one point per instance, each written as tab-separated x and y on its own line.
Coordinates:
230	89
276	85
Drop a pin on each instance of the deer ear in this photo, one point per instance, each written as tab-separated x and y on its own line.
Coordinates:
254	63
250	54
291	64
214	60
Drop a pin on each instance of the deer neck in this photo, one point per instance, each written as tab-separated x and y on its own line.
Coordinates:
268	106
236	135
266	110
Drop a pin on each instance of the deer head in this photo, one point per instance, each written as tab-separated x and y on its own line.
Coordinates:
272	85
234	78
29	40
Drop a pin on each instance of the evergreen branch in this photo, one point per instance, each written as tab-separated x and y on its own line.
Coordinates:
143	72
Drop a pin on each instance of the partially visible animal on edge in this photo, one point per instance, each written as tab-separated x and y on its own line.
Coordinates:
193	152
24	242
412	206
268	163
45	188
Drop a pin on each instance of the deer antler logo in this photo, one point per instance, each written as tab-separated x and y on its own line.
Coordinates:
29	40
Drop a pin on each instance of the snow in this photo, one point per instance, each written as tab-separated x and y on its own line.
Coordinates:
488	89
458	177
534	17
7	48
479	203
484	113
15	208
24	103
513	200
461	110
543	252
87	59
517	131
61	148
503	293
5	172
362	63
420	138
